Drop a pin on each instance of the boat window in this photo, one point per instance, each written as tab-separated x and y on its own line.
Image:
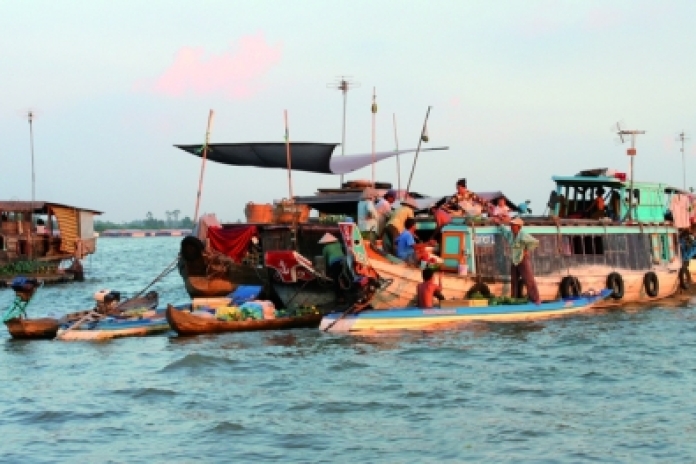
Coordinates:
585	245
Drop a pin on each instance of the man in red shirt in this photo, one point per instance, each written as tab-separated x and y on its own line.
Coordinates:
427	289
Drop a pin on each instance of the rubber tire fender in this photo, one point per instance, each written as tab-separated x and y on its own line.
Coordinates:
616	283
684	277
570	287
481	288
651	284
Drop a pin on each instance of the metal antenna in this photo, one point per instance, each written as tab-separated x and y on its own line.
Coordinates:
632	153
344	85
30	117
681	137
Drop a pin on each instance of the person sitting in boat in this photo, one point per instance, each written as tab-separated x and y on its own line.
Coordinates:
397	222
334	259
500	210
427	289
597	207
464	202
368	217
405	242
521	244
384	210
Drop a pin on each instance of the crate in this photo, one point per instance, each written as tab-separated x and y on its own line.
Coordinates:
465	302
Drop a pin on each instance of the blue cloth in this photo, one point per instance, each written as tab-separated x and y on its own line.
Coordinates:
524	208
245	293
404	245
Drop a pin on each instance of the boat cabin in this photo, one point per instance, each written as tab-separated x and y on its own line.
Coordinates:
45	231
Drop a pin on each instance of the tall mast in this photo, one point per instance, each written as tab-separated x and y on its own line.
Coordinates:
344	85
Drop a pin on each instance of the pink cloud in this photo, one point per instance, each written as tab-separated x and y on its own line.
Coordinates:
235	74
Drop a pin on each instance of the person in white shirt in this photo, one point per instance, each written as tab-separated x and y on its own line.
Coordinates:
384	210
368	217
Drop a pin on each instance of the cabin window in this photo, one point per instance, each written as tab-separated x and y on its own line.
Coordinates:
664	242
584	245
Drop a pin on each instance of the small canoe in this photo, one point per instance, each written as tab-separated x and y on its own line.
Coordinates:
186	323
114	328
47	327
417	318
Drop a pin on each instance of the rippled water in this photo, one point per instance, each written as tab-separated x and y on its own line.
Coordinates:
615	386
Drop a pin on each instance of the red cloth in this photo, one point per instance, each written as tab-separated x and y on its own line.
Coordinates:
233	242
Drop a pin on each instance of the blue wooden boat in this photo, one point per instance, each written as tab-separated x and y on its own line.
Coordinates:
417	318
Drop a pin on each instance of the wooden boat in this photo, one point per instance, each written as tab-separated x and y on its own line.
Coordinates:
112	327
416	318
185	323
21	327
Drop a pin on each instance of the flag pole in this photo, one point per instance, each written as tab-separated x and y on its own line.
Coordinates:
374	117
398	165
423	137
204	157
287	154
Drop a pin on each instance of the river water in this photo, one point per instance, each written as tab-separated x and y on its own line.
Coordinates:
613	386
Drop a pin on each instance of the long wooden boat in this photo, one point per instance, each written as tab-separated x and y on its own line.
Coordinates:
186	323
47	327
416	318
115	328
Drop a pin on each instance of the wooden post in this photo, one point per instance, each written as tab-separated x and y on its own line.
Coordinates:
205	155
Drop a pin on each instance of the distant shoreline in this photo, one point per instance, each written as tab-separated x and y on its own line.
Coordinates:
137	233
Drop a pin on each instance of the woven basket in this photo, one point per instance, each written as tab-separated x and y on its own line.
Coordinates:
259	213
287	212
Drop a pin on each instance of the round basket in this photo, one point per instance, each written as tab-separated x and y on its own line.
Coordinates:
259	213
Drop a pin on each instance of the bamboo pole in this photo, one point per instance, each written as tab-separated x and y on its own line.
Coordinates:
374	118
288	155
398	165
420	140
204	157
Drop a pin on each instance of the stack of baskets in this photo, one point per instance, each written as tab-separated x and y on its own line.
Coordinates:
287	212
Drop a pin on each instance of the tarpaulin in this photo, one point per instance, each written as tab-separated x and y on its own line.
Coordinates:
233	242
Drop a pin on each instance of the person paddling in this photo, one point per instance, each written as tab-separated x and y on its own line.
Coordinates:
521	244
428	289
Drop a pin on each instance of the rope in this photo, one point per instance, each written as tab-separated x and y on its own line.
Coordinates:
166	271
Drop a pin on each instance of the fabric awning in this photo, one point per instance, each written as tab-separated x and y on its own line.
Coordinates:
68	225
305	156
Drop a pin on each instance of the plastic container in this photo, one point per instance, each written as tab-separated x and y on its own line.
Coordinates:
462	269
210	302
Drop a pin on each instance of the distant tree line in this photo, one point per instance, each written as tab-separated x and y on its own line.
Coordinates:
172	221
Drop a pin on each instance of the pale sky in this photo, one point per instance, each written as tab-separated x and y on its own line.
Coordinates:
520	90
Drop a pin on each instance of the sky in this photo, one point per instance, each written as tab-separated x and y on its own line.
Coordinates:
520	91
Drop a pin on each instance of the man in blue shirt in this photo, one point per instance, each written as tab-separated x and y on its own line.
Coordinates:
405	242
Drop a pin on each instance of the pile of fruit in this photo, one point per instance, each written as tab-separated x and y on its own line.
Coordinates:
506	300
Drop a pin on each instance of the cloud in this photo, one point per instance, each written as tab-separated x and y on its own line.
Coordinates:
234	74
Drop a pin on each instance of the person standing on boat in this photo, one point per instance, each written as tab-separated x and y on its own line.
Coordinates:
384	210
521	244
462	203
397	222
334	259
368	217
427	289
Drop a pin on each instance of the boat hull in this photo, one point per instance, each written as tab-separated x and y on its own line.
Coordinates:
110	330
417	318
27	329
185	323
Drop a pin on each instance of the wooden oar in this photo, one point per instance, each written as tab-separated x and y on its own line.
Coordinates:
79	323
347	312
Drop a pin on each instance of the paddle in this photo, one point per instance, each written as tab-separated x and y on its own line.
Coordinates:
351	309
87	316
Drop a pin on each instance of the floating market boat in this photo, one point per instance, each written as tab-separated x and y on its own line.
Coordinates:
455	312
187	323
22	327
44	240
95	327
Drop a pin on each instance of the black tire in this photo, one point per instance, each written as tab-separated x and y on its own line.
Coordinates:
685	277
570	287
479	288
651	284
616	283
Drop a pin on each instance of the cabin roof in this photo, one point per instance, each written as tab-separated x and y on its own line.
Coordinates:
37	206
586	180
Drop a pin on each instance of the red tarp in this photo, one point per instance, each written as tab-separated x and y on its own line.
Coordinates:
232	242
